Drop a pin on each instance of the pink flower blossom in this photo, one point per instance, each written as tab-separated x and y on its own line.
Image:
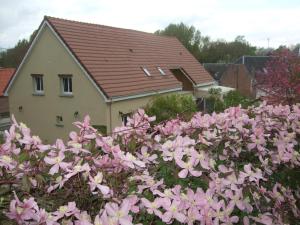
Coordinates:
188	167
95	183
7	162
145	155
22	211
130	160
252	176
78	168
57	162
172	211
119	214
153	207
66	211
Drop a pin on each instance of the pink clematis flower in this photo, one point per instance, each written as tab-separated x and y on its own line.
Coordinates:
83	218
66	211
153	207
78	169
145	156
172	211
130	160
202	158
132	200
236	198
193	215
119	214
223	213
42	217
7	162
95	183
253	176
59	183
57	162
188	167
258	140
22	211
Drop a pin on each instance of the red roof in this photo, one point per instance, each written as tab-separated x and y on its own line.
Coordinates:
5	75
113	57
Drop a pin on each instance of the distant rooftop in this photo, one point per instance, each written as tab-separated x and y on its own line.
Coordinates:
5	75
215	69
253	63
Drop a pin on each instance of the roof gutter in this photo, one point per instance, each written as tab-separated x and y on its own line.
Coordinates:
116	99
205	84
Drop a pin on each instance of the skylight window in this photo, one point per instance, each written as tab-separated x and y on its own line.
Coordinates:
161	71
146	71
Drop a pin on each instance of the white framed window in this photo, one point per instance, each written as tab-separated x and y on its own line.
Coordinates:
161	71
146	71
38	84
66	84
124	117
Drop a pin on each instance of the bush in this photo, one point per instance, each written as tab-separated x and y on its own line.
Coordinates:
215	102
166	107
236	167
1	138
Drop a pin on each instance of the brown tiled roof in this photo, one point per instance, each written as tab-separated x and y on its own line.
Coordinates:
113	57
5	75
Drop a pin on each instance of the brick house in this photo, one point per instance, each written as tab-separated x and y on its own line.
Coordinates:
241	74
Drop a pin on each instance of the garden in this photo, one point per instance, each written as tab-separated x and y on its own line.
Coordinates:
239	166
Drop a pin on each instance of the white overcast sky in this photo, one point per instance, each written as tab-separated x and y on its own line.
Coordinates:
257	20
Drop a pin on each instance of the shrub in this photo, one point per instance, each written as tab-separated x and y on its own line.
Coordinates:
215	102
166	107
279	82
1	138
239	166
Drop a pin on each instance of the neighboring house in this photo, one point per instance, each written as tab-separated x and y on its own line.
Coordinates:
72	69
296	50
216	69
5	76
241	74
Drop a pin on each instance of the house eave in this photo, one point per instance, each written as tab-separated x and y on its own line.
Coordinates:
205	84
129	97
24	59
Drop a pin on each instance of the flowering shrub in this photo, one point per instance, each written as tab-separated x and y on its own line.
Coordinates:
236	167
279	82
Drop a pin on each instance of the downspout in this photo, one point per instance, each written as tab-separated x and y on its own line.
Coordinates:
110	120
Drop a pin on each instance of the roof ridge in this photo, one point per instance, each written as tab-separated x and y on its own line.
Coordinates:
255	56
7	68
106	26
217	63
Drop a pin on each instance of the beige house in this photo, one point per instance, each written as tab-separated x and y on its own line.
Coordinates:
72	69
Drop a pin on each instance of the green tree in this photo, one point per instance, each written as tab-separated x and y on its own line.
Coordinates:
12	57
189	36
223	51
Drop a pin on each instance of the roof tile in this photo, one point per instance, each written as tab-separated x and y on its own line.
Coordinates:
113	57
5	75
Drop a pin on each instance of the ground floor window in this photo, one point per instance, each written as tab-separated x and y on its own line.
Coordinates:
124	117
